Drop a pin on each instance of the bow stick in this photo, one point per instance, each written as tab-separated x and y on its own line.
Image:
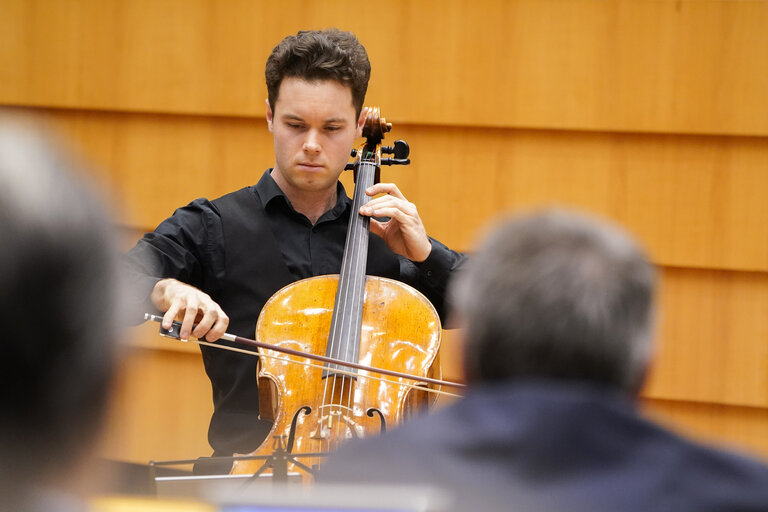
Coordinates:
173	332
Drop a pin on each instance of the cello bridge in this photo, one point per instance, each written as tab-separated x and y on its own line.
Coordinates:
336	422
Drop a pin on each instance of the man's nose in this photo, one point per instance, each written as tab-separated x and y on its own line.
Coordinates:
312	144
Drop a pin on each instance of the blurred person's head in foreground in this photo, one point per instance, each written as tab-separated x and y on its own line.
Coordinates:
557	295
58	312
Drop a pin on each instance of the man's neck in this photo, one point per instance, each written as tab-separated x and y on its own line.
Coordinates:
311	204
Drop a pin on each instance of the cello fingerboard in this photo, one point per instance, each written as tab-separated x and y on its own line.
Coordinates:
344	337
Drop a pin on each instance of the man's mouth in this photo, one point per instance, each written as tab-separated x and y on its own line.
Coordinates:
310	166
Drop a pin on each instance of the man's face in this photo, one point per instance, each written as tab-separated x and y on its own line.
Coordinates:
314	126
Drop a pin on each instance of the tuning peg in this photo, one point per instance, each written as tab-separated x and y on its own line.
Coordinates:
395	161
400	149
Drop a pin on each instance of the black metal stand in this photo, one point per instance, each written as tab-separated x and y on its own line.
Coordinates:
277	462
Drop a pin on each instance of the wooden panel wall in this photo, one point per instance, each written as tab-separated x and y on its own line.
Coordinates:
652	113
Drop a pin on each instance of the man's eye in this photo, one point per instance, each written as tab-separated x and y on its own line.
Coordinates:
333	128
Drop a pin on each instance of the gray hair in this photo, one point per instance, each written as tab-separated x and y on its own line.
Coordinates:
557	295
58	307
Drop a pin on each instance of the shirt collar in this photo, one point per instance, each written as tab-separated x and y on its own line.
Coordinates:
268	191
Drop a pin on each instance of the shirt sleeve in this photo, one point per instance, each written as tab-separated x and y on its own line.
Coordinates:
431	276
187	246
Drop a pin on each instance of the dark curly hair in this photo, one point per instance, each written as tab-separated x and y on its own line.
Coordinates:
330	54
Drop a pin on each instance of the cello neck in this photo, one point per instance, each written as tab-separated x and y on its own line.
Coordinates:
344	336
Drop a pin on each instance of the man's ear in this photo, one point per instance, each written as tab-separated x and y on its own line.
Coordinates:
361	122
269	116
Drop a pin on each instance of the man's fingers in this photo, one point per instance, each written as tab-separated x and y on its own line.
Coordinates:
391	212
189	320
376	206
376	227
403	214
170	315
205	323
219	328
195	308
385	188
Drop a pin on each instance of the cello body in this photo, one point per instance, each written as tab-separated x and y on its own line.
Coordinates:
400	329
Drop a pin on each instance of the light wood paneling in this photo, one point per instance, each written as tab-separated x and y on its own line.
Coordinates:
744	429
689	66
696	201
162	404
713	338
153	164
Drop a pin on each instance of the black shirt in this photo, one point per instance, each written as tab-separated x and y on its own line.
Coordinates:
189	246
227	248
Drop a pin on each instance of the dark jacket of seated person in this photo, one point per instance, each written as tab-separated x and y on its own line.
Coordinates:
557	311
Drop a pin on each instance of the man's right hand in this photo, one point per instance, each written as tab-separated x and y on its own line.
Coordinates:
191	306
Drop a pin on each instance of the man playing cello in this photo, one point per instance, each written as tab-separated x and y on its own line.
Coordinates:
215	263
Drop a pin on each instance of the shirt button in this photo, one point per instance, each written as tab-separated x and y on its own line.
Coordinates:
429	273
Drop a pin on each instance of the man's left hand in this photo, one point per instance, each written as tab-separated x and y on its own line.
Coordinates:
403	233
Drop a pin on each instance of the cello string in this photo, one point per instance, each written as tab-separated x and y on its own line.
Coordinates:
350	298
351	324
322	367
365	179
342	328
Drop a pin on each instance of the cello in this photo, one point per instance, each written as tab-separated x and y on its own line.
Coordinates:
350	317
